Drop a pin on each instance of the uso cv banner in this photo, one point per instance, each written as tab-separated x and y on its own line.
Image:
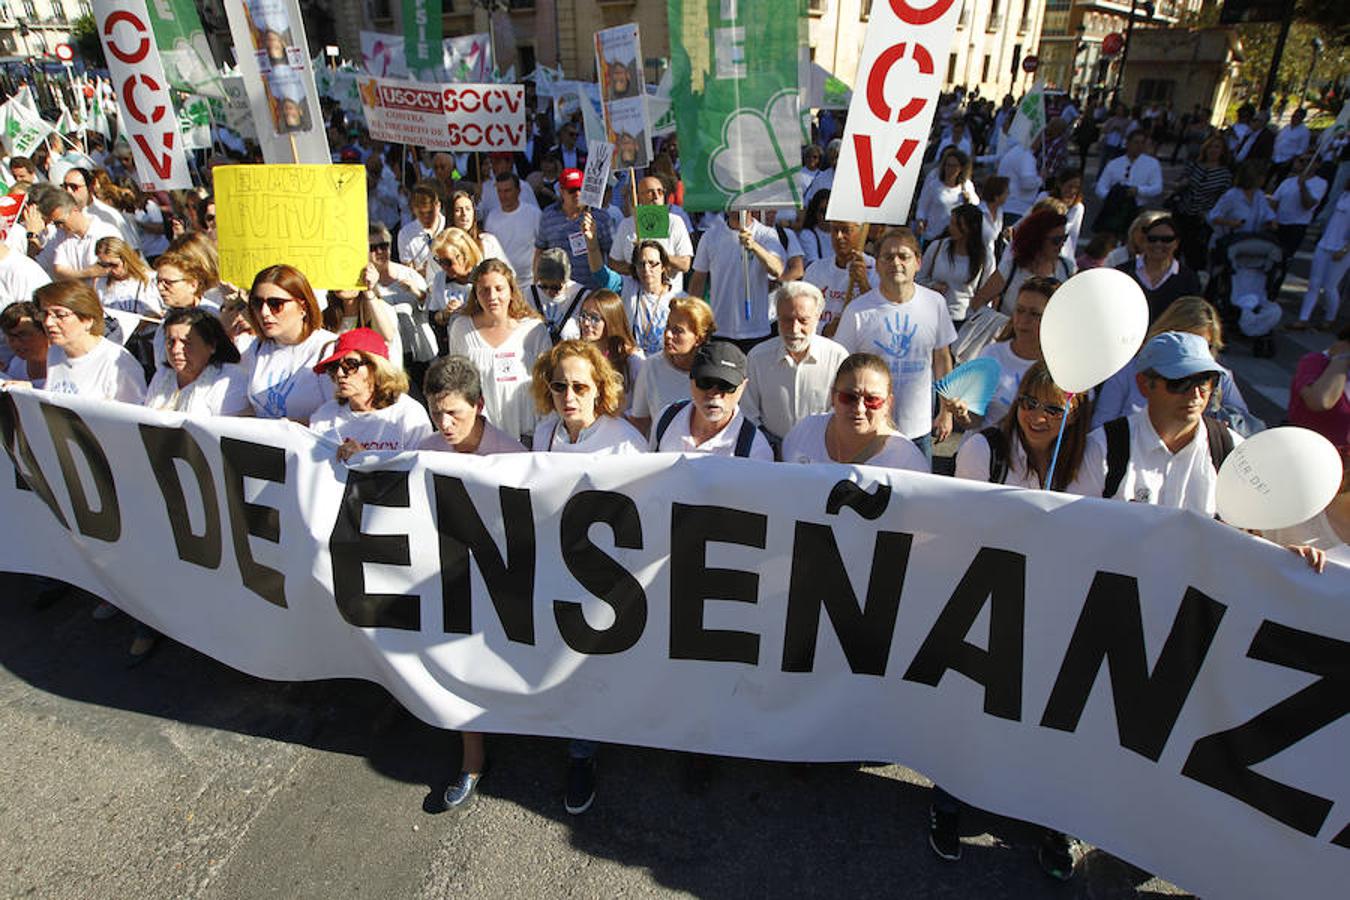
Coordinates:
459	117
899	77
142	90
1166	687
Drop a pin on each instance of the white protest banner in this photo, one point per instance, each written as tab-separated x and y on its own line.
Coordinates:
382	55
596	176
270	49
468	58
148	119
898	81
1118	671
460	117
623	92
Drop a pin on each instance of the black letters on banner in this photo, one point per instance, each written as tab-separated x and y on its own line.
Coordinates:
819	578
510	585
599	573
1111	629
998	576
163	446
350	548
1223	760
692	583
245	459
68	428
27	475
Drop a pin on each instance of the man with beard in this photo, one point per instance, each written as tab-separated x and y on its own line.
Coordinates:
790	377
713	421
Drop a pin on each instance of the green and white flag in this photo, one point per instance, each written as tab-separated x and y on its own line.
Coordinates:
194	122
422	35
98	114
1030	118
183	47
734	65
24	131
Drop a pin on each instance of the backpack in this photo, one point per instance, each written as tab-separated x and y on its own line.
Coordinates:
555	330
998	453
745	440
1117	433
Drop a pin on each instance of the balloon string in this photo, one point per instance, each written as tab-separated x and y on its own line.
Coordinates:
1054	457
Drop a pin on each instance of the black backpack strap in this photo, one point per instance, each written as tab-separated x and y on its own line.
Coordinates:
745	438
667	416
534	297
998	454
1117	433
1220	441
555	329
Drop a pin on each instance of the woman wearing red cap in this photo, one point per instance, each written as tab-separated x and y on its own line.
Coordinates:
370	409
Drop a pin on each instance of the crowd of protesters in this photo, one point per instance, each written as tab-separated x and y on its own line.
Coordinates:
498	314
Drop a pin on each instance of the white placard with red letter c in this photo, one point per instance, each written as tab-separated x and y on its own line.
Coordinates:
143	93
894	99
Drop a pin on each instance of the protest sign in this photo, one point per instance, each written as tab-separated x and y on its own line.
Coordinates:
1076	662
148	119
422	34
312	217
460	117
11	207
382	55
623	92
596	176
468	58
653	221
735	97
270	48
1029	120
898	81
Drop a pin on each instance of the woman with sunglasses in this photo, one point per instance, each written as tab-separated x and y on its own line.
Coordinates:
580	397
285	316
127	283
858	430
647	295
370	408
1037	249
605	324
456	254
664	378
1163	278
200	375
464	216
503	337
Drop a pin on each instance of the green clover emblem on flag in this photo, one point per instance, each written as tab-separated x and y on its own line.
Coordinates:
754	164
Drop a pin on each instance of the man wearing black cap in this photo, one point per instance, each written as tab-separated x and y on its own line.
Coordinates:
712	422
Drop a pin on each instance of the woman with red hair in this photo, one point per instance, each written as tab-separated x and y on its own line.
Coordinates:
1037	248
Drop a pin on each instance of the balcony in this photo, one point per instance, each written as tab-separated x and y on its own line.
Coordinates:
995	22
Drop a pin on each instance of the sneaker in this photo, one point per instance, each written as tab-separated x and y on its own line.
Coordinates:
1056	855
580	786
104	611
462	792
942	834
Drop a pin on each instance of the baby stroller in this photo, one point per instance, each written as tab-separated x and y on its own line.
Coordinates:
1241	282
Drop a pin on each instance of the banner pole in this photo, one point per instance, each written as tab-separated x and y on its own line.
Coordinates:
632	190
295	151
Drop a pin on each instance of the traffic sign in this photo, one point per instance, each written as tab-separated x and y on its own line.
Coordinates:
64	52
1030	63
1113	43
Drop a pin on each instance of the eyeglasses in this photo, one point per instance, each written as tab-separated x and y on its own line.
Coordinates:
345	367
275	304
1204	380
57	313
550	288
1161	238
580	388
590	318
169	282
72	187
714	384
382	245
853	398
1031	404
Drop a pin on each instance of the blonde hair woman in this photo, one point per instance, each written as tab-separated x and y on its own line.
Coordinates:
456	255
580	397
127	283
370	408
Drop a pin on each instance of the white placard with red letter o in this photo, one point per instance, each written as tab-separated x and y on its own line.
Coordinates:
143	93
894	99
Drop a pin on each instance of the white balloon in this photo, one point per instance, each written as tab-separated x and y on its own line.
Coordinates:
1278	478
1093	325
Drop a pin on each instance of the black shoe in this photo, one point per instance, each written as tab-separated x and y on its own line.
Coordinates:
141	649
942	833
580	786
1056	855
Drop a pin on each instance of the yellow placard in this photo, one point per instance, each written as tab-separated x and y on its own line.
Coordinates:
310	217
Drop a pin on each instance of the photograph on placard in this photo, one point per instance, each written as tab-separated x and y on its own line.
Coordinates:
627	129
269	21
618	67
287	100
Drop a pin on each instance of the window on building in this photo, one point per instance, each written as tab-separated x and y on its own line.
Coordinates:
380	9
816	7
30	10
951	69
984	69
1155	90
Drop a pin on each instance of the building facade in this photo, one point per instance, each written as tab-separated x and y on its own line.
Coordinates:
31	29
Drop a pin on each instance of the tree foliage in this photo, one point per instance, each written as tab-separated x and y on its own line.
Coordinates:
84	33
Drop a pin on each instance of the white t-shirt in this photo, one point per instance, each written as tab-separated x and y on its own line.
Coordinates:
805	443
19	277
492	249
905	335
221	390
1013	368
658	385
446	294
282	383
954	271
18	371
403	425
678	244
504	370
77	253
833	282
609	435
130	295
493	440
677	438
106	371
152	245
720	255
647	315
559	311
1289	208
515	232
414	243
972	462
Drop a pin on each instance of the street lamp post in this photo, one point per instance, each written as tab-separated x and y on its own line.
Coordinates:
1129	35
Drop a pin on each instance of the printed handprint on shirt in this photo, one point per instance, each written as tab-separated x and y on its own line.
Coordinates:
649	339
275	396
900	334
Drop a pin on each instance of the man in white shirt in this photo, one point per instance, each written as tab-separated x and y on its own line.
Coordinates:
1292	141
909	327
791	376
77	182
733	243
1137	171
500	163
1295	201
415	237
848	274
679	248
515	225
1019	166
712	421
74	256
1171	451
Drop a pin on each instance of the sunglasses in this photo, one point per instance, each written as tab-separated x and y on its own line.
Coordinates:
580	388
446	262
1161	238
1031	404
275	304
382	245
1205	380
550	288
346	367
714	384
853	398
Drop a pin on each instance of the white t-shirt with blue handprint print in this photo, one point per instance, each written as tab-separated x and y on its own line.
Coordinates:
905	336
